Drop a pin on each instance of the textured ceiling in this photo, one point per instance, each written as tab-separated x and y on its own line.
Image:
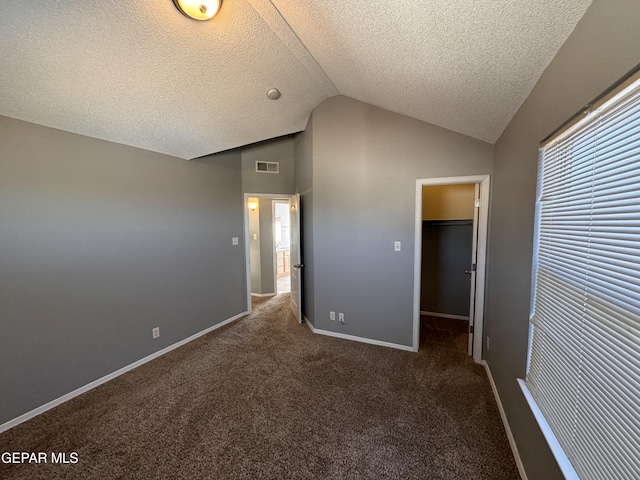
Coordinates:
465	65
138	72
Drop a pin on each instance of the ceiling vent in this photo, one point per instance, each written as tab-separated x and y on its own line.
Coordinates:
268	167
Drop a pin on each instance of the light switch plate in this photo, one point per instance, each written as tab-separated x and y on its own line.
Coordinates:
397	246
234	241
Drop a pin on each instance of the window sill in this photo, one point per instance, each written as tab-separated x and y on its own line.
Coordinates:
556	449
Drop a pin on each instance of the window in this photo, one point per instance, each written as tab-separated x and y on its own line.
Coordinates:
584	357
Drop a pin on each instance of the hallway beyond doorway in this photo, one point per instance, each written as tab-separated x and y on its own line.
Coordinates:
284	285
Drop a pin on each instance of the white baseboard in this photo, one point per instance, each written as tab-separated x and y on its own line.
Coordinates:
262	294
505	422
353	338
445	315
79	391
306	320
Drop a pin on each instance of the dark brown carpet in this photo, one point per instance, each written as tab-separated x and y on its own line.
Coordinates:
264	398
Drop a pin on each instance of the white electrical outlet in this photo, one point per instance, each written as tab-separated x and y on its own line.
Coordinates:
487	343
155	332
341	317
332	316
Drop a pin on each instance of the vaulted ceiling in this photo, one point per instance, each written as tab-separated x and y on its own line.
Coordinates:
140	73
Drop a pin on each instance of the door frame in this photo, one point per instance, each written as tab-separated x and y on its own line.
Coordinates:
295	257
285	197
481	249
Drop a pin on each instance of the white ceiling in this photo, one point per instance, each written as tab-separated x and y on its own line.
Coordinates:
137	72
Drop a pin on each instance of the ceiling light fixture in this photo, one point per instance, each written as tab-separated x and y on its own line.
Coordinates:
198	9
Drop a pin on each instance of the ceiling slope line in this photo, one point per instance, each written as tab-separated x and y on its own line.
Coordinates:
279	25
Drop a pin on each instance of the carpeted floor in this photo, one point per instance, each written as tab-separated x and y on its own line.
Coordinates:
264	398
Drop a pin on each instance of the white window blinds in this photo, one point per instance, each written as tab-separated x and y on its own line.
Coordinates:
584	358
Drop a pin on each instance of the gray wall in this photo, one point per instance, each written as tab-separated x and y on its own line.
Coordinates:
303	152
267	259
604	45
261	251
365	164
100	243
255	261
276	150
446	253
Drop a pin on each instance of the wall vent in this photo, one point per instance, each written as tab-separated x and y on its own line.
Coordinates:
267	167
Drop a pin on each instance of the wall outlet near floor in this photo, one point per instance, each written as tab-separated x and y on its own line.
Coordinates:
155	332
341	317
332	316
487	343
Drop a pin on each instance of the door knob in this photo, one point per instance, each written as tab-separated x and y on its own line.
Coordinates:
298	265
468	272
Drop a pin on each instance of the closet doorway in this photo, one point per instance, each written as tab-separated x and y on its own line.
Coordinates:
450	255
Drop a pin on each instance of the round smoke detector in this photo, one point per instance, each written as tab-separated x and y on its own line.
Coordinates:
273	93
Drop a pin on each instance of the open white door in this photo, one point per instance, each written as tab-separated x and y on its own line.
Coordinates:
472	270
296	257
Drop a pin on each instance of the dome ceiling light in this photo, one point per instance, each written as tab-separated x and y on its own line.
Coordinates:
198	9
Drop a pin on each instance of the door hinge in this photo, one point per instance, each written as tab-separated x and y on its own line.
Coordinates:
477	203
470	329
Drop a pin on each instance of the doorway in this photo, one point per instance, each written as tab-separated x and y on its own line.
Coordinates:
269	246
282	245
272	248
450	240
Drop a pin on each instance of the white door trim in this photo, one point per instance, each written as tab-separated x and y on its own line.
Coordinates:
474	273
481	262
295	256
